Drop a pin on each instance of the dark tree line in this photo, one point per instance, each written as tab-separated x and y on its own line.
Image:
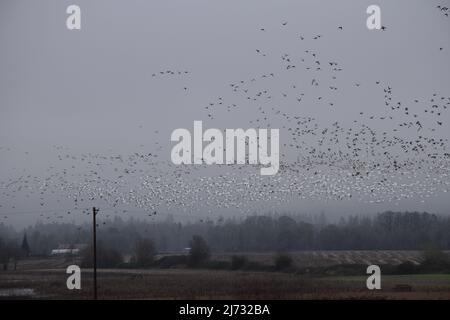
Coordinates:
10	251
384	231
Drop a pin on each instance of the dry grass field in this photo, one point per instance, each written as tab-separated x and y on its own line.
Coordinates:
46	279
207	284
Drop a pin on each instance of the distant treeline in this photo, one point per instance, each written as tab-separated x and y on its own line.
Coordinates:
384	231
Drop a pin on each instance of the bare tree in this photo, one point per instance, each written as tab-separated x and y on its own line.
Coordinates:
199	251
144	252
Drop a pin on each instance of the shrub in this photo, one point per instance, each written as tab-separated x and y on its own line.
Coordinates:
435	261
283	261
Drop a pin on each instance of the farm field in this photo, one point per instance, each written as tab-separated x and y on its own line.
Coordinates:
300	258
207	284
329	258
45	278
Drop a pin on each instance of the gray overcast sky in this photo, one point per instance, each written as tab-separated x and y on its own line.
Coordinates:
92	90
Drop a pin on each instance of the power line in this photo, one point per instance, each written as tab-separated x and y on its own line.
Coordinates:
94	238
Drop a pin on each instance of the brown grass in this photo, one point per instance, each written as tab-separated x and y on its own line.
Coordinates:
206	284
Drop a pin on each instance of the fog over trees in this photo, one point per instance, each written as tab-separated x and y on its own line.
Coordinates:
384	231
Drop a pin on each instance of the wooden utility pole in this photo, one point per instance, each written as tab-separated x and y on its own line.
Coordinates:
94	213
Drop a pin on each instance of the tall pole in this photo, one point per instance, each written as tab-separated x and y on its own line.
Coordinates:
94	213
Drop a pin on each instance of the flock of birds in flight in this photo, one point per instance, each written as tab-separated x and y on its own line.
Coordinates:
394	153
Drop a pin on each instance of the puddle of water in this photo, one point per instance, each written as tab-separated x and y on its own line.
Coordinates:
16	292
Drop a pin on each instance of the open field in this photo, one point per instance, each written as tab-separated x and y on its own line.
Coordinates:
207	284
46	278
